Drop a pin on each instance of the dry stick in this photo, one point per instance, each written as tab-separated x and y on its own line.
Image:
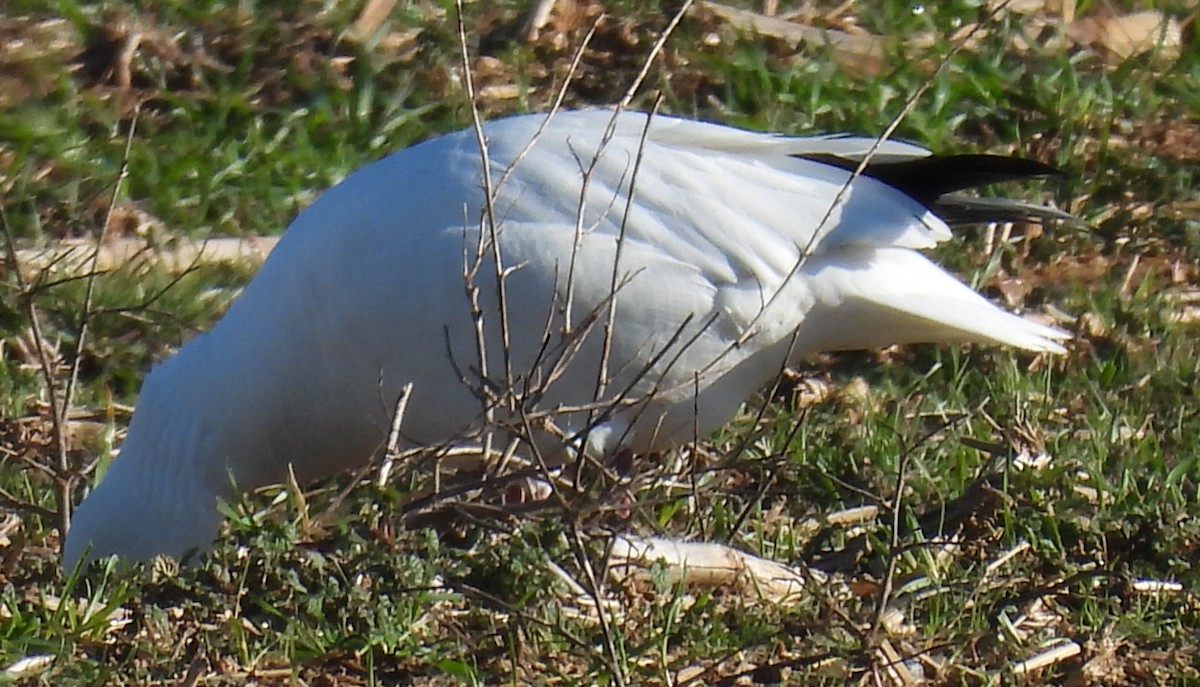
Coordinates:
889	578
594	586
654	51
13	503
767	483
479	594
744	444
536	386
586	173
606	408
695	453
39	341
393	439
488	218
491	189
47	367
594	589
626	397
615	278
610	131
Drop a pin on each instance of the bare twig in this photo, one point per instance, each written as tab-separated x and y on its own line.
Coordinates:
39	344
595	589
887	586
615	278
558	100
653	54
60	403
393	440
487	226
60	423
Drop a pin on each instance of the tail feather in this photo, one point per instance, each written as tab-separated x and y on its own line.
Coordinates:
874	298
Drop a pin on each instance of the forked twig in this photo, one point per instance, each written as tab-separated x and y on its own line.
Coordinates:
488	220
60	404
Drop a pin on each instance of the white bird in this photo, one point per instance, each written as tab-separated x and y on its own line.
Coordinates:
732	253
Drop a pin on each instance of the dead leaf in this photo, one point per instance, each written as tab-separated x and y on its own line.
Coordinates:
372	16
1127	35
860	54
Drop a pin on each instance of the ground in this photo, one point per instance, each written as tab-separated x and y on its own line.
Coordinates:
957	514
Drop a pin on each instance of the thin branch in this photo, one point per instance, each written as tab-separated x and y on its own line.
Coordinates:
393	440
653	54
615	277
39	343
558	100
64	473
89	292
488	220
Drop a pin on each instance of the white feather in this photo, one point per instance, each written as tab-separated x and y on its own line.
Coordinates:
733	260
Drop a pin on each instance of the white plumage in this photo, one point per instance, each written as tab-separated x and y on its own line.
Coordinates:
366	293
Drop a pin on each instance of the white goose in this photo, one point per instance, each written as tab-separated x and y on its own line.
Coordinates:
736	253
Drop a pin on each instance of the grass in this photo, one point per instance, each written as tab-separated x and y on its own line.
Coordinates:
249	110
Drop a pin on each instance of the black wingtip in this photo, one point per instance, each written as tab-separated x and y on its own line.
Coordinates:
928	178
930	181
956	210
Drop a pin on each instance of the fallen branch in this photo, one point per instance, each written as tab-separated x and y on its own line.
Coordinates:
712	565
1052	652
72	257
